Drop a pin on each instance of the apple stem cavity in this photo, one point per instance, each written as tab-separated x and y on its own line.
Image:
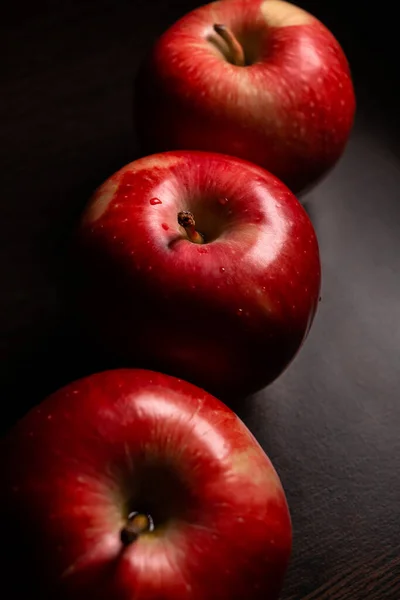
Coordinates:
235	49
186	220
137	524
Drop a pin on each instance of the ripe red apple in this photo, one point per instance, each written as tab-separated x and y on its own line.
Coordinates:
135	485
259	79
228	314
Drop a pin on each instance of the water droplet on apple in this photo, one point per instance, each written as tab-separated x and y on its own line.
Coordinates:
150	268
263	289
239	312
222	269
155	201
223	201
165	226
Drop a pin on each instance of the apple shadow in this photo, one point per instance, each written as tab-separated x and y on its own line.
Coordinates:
308	202
246	406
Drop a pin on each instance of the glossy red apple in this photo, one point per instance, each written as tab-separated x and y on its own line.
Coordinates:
259	79
134	485
228	314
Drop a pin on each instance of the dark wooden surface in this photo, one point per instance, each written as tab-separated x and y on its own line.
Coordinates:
331	424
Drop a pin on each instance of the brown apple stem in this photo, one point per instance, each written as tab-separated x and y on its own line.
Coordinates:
186	220
137	524
235	49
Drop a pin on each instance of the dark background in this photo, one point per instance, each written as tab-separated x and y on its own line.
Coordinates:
331	423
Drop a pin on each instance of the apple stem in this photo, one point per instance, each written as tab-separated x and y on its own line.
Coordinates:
137	524
235	49
186	220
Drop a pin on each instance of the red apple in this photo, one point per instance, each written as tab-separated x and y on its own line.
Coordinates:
228	314
135	485
259	79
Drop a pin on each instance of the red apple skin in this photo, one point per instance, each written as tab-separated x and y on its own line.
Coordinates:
126	440
290	111
228	315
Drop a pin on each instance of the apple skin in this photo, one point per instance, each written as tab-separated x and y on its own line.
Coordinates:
228	315
291	110
125	440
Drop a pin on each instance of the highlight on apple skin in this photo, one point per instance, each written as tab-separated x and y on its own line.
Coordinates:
259	79
133	484
199	265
